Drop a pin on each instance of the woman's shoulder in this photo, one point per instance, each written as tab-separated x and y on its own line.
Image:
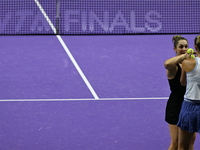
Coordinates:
189	64
189	61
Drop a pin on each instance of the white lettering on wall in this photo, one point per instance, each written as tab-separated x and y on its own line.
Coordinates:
85	21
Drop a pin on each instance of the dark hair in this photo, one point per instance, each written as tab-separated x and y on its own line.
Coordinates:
176	39
196	38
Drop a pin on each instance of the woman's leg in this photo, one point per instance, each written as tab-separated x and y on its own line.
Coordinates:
192	142
173	129
184	139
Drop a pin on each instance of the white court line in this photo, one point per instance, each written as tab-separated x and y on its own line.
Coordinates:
67	51
89	99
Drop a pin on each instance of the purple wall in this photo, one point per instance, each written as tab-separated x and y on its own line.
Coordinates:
100	16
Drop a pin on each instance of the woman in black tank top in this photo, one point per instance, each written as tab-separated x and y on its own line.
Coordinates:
173	70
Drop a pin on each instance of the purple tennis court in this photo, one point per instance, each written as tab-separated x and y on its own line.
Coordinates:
45	104
91	92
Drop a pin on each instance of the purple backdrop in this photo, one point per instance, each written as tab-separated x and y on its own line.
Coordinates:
100	16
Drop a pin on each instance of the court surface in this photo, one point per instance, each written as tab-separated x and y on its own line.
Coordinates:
85	92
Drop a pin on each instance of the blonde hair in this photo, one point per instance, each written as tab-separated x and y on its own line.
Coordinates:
196	38
198	43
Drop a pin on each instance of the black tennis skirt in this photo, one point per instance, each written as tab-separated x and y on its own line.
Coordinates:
172	111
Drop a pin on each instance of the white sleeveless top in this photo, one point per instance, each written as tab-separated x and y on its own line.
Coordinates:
193	83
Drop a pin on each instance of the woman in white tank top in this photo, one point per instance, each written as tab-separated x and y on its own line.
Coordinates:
189	118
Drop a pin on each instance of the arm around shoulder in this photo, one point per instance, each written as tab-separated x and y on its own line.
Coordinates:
171	63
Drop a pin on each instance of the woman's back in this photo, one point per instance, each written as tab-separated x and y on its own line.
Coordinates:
193	82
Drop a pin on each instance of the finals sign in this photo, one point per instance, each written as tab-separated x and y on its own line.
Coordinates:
129	16
89	21
100	16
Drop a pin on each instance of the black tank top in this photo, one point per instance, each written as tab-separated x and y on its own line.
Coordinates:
177	90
